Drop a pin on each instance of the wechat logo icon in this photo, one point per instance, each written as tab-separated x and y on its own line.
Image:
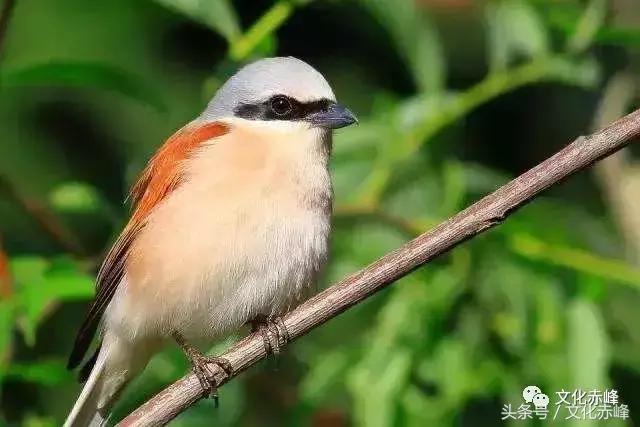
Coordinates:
533	394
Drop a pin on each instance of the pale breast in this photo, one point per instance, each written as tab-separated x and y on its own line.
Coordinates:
246	234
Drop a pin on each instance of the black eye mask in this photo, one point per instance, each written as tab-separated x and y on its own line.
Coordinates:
281	107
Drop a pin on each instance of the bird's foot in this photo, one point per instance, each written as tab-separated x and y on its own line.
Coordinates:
273	331
201	367
200	364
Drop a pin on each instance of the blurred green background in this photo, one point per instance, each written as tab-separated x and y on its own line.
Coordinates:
454	98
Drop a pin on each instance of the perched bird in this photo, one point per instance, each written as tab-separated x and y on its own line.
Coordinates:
230	226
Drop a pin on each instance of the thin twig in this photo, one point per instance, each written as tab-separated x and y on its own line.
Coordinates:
47	219
452	110
481	216
619	175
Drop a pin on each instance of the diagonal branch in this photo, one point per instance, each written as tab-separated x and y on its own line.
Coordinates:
479	217
43	216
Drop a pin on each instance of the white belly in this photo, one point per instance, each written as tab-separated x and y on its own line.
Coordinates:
219	252
216	279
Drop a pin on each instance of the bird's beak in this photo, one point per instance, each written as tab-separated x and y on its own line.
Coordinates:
334	117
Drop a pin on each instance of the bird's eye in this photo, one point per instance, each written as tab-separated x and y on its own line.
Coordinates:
281	105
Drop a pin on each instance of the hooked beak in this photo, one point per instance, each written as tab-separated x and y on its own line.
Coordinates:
336	116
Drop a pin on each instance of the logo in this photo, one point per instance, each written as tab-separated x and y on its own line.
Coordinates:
577	404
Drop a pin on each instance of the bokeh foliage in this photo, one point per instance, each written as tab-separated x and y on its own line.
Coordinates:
454	97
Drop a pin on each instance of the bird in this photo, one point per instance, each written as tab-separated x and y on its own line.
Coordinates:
229	226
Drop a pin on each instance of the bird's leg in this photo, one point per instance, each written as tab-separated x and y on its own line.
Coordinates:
271	326
200	366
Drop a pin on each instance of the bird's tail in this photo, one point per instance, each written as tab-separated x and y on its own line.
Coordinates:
85	411
115	365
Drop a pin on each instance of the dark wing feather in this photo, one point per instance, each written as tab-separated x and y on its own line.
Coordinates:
109	277
158	179
86	369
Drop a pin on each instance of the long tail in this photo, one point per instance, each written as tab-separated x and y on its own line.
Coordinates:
116	364
85	411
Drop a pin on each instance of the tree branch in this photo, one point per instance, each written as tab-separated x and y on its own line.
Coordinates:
43	216
619	175
479	217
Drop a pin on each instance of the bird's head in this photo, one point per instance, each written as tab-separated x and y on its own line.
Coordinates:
279	89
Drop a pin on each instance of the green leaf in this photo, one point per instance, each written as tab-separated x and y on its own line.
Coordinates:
370	240
65	280
549	313
324	372
85	74
460	370
567	21
421	409
401	335
7	313
588	26
388	382
411	136
45	372
75	197
41	283
219	15
619	35
416	39
454	368
32	420
230	413
454	190
515	29
577	259
27	269
587	346
261	34
504	285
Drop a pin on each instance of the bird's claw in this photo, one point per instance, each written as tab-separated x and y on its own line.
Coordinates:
200	364
274	333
